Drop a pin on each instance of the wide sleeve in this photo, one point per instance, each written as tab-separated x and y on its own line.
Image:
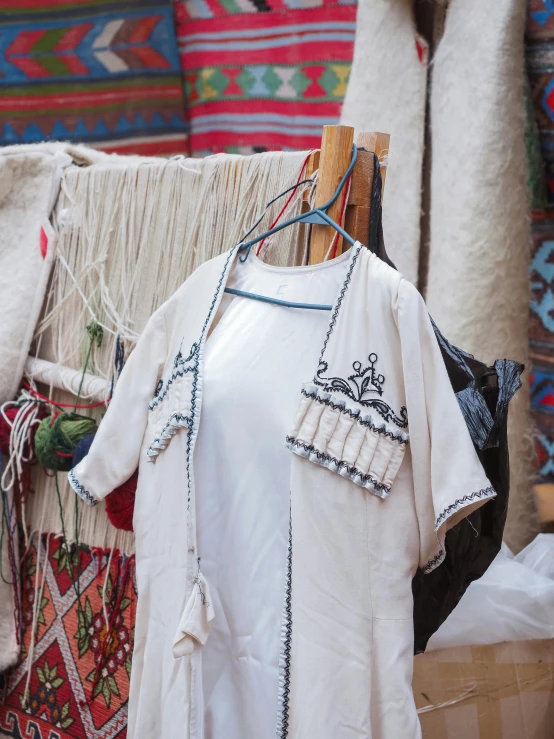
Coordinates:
449	480
115	451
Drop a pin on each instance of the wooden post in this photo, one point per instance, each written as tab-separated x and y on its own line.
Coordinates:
378	143
358	211
332	162
335	156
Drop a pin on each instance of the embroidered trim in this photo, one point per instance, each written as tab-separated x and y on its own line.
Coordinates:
356	415
342	293
180	370
326	460
190	432
181	367
463	502
176	421
286	649
80	490
364	380
434	562
488	492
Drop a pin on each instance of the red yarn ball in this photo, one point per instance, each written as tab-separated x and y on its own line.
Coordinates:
6	429
120	504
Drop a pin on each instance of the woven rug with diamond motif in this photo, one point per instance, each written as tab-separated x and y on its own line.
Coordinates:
77	683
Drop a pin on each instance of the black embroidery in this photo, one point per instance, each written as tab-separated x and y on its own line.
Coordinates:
433	563
181	367
191	429
344	288
488	492
169	430
283	720
356	415
361	387
80	490
378	487
462	502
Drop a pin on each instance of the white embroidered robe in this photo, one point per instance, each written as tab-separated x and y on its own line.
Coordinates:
382	465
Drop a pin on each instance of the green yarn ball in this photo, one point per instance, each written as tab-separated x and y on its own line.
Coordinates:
57	437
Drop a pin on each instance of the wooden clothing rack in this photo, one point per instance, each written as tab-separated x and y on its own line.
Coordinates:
332	161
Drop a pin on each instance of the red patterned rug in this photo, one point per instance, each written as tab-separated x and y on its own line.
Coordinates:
263	74
81	656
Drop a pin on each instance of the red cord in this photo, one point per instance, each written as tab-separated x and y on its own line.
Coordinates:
286	205
62	405
342	212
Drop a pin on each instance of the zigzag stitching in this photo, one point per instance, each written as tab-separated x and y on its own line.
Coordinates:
177	373
190	432
342	293
286	647
462	502
82	492
356	415
322	456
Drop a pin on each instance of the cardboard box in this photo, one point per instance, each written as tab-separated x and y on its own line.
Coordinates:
502	691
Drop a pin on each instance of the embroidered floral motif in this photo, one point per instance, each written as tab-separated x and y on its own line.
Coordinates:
361	387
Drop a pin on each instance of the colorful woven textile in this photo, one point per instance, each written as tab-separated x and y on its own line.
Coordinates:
263	74
79	673
540	63
93	71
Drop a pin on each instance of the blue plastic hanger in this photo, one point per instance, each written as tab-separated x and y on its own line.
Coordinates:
317	215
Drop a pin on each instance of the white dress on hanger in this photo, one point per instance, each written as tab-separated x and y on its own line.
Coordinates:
275	587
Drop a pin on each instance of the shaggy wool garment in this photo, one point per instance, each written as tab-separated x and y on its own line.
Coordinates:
30	178
477	287
387	92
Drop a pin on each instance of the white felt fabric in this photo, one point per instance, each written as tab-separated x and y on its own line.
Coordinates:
30	178
387	92
478	273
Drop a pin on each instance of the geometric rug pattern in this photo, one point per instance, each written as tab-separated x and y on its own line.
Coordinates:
540	68
263	74
95	72
78	683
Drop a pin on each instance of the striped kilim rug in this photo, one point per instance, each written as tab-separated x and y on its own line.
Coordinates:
263	74
93	71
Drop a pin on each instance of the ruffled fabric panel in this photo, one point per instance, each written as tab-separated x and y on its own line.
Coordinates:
347	440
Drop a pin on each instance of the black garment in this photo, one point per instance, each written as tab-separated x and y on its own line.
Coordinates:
483	394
